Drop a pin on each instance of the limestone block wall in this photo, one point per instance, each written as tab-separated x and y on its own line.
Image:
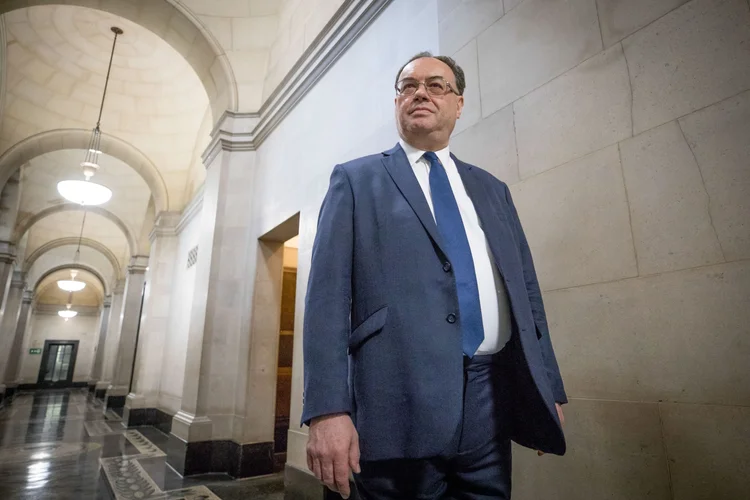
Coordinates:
52	327
623	129
246	30
299	23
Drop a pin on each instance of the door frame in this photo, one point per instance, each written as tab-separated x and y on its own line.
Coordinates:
68	382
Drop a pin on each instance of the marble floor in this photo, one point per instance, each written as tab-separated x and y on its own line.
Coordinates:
61	445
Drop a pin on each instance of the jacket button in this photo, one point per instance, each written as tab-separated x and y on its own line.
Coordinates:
447	267
451	318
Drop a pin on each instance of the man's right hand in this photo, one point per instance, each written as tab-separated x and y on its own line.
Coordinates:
333	451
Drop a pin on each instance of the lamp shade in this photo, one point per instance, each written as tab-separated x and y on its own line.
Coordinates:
71	286
84	192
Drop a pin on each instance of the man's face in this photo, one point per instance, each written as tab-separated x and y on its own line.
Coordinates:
422	113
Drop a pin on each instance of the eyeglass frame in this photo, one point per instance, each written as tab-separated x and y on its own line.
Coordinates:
419	83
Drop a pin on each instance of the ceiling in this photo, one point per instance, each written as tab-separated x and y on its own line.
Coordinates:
56	64
49	293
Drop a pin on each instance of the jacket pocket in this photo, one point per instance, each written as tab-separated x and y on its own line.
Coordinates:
369	327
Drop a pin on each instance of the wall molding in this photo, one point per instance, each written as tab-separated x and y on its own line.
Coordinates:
51	310
165	225
191	210
247	131
3	62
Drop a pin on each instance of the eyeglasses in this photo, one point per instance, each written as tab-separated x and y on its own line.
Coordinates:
435	85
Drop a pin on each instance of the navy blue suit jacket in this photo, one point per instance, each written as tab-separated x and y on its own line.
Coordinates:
377	342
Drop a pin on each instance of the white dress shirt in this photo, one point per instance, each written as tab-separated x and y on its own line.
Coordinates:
493	299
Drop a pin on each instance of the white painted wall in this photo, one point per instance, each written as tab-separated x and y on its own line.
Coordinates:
52	327
170	390
348	114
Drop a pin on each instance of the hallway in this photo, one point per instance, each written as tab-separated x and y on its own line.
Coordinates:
61	445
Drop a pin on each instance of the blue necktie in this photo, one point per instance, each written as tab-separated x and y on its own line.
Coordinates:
451	228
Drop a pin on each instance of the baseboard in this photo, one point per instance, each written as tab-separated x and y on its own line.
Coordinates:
229	457
135	417
115	402
35	387
302	485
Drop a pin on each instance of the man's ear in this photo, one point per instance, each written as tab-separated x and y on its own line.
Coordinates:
460	105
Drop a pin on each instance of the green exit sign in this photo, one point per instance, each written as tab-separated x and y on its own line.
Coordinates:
35	350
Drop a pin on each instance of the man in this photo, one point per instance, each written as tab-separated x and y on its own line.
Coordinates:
424	322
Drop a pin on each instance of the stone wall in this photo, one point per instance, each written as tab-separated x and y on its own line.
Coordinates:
299	23
349	113
623	129
175	344
52	327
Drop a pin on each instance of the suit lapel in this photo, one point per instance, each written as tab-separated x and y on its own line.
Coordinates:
398	167
491	216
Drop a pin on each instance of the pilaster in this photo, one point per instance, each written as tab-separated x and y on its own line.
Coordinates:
210	417
96	370
154	319
24	313
8	326
131	308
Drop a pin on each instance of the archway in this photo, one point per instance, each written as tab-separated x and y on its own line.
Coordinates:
26	224
55	140
87	242
179	28
79	266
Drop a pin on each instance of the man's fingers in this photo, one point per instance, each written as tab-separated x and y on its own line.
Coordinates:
317	469
326	466
341	471
354	454
539	453
310	462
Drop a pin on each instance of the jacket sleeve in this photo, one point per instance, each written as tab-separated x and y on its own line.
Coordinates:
537	307
328	304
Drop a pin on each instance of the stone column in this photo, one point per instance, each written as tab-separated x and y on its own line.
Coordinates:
218	335
131	314
96	369
7	258
11	370
8	324
143	399
112	341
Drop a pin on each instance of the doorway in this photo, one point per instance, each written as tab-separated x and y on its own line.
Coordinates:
58	364
273	340
286	348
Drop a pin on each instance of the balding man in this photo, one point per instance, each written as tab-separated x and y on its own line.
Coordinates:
425	338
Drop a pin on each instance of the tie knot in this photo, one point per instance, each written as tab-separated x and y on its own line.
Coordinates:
431	157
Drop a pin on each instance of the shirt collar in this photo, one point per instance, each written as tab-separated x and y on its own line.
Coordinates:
414	154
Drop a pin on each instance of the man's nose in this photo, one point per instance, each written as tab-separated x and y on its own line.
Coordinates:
421	92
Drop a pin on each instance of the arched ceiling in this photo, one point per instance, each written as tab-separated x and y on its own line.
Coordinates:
40	176
47	291
67	224
57	59
64	254
173	58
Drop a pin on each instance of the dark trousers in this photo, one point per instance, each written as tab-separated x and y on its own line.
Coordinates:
477	464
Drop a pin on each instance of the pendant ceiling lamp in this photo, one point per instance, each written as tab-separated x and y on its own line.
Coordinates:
67	313
71	285
85	192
